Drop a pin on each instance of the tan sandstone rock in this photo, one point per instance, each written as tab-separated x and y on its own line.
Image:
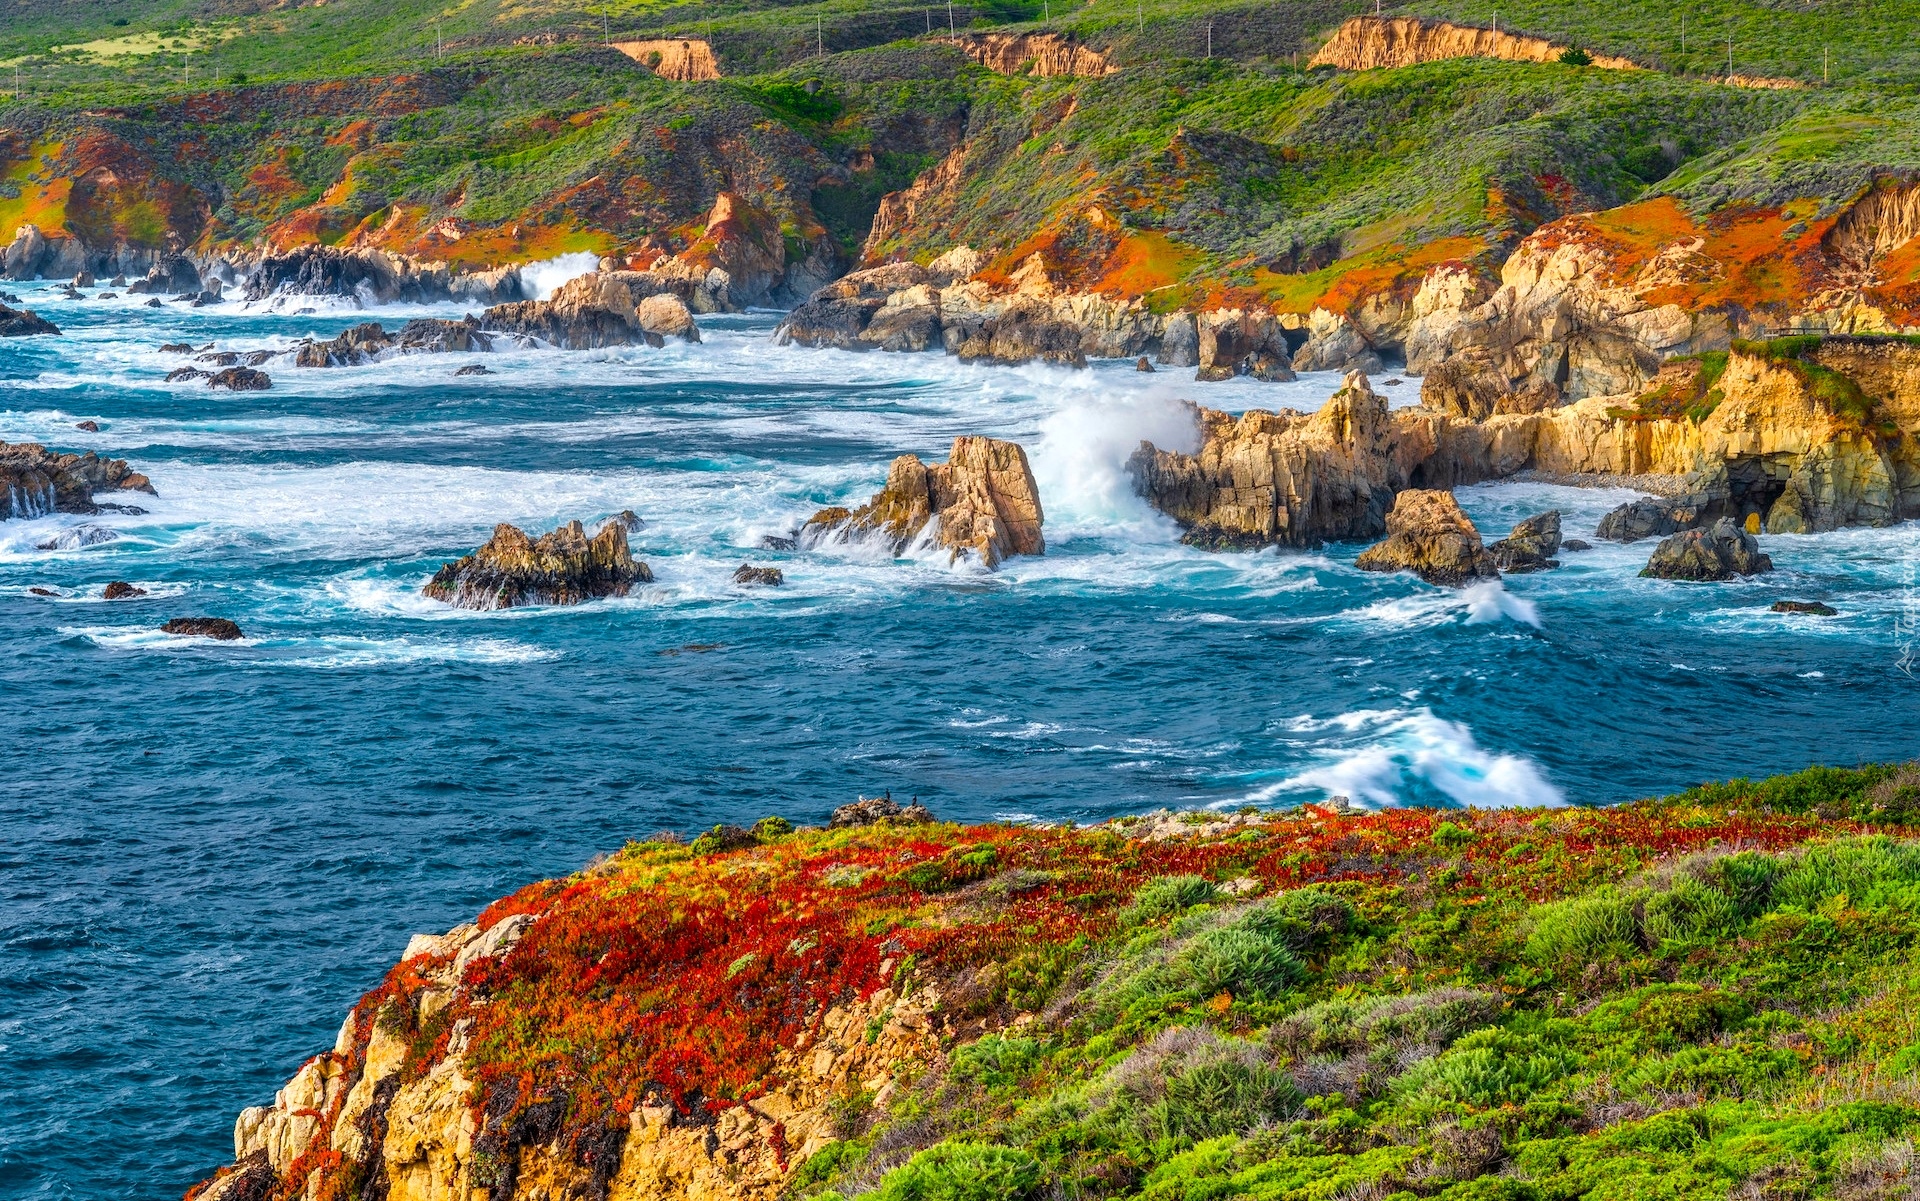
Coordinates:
982	500
1428	535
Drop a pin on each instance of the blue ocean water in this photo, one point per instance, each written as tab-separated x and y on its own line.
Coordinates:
208	851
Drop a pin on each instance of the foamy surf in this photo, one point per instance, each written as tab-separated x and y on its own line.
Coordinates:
1382	758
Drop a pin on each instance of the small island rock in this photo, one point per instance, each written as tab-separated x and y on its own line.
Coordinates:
747	573
1428	535
217	628
984	496
1720	552
563	567
1530	546
121	590
1814	608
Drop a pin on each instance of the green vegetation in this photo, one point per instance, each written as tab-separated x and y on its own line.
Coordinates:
1500	1021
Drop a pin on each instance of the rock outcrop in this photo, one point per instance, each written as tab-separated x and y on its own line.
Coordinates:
1365	43
1279	478
374	277
1717	553
684	59
364	343
23	323
563	567
607	308
1428	535
1530	546
217	628
1043	54
748	574
878	810
982	501
35	481
240	379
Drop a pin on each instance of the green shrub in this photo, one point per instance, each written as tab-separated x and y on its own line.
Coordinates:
963	1172
1870	873
1166	896
1226	1095
995	1061
1573	56
1584	929
1238	959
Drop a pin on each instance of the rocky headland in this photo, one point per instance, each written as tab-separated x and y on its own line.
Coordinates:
936	1010
982	501
35	481
561	567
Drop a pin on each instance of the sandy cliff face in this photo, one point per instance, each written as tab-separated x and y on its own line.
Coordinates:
1032	54
685	59
1365	43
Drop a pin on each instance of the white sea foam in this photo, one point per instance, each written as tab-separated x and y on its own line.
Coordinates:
124	639
1473	605
1379	757
544	276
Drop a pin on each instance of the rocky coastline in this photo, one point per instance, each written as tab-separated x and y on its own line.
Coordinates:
35	481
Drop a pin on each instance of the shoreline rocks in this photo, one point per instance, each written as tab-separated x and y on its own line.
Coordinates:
1811	608
1719	552
364	343
748	574
121	590
602	308
1429	535
562	567
1530	546
24	323
982	500
35	481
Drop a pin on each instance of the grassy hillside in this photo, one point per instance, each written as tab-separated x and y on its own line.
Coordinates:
1705	996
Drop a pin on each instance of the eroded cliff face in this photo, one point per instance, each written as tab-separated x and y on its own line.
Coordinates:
1364	43
1045	54
685	59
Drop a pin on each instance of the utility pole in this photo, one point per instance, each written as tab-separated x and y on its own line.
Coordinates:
606	25
950	29
1729	59
1826	65
1209	39
819	40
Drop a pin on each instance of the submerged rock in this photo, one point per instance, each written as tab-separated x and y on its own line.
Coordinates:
79	538
747	573
1718	553
563	567
217	628
1428	535
984	496
22	323
35	481
1815	608
868	811
474	369
1530	546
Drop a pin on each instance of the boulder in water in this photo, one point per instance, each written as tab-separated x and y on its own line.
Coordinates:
984	496
121	590
21	323
181	375
1530	546
90	426
1720	552
1576	544
1428	535
176	348
217	628
79	538
1812	608
474	369
240	379
563	567
747	573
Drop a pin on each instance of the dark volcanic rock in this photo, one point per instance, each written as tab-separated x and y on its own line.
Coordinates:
475	369
121	590
354	346
168	277
35	481
91	427
1815	608
176	348
219	358
747	573
217	628
1530	546
21	323
1428	535
240	379
1718	553
185	374
1576	544
333	271
868	811
563	567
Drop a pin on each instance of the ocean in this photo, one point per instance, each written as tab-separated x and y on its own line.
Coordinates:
209	850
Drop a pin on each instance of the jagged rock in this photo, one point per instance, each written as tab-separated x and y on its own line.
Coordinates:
91	427
219	358
365	342
217	628
747	573
170	276
984	496
336	271
1022	334
121	590
563	567
254	358
1237	342
1265	478
838	314
22	323
1813	608
1530	546
627	520
1649	517
84	279
184	374
35	481
79	538
868	811
1334	344
240	379
1180	340
1718	553
176	348
612	308
360	344
1428	535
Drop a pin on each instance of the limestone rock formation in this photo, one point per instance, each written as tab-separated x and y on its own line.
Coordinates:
1428	535
563	567
982	500
1237	342
22	323
603	308
35	481
1530	546
1267	478
217	628
1717	553
171	276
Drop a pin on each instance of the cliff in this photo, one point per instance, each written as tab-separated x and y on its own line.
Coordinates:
1161	1005
684	59
1038	54
1367	43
